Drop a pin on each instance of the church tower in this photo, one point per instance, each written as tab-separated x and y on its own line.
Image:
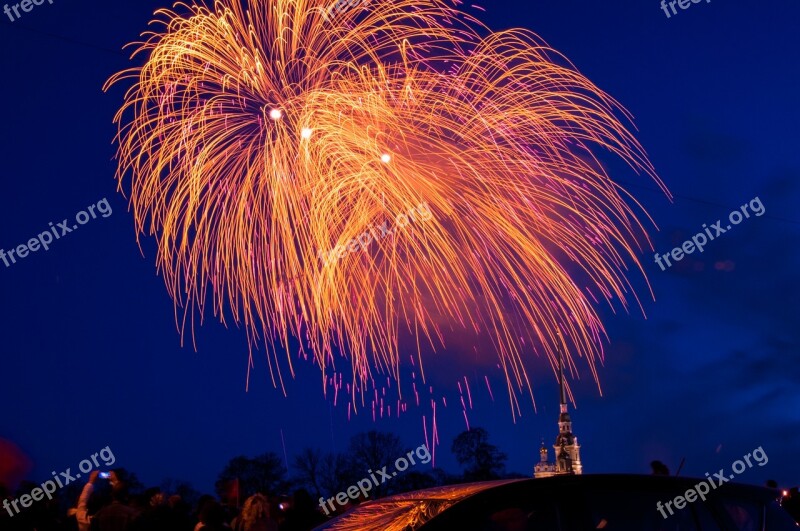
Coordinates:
567	450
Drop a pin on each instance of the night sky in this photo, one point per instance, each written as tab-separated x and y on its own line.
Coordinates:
90	355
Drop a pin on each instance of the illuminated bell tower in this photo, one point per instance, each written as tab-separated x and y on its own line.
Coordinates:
543	468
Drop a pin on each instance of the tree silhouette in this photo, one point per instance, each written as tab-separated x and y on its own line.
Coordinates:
323	473
326	474
335	475
264	473
372	451
308	470
483	461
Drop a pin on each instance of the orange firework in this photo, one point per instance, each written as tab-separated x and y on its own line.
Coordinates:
252	140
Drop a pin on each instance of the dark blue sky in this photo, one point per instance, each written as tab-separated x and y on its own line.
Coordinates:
90	356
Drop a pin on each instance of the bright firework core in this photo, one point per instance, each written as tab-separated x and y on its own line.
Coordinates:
528	232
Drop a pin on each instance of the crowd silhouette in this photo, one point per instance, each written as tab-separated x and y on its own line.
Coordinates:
110	506
257	494
252	493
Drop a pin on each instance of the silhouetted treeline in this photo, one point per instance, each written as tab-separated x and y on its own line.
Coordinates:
324	474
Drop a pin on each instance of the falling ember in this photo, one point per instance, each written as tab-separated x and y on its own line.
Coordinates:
435	436
409	106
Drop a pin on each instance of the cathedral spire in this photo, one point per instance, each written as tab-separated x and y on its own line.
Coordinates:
561	382
567	450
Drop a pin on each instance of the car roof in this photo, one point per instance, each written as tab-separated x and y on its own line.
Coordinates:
408	510
412	509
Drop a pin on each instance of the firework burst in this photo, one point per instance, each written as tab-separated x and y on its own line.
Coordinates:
254	138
